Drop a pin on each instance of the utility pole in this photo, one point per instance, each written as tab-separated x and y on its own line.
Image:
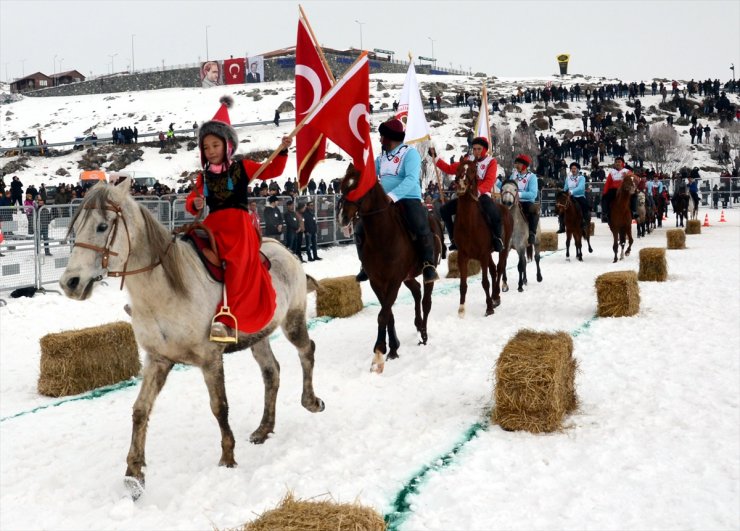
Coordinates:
207	42
360	23
133	68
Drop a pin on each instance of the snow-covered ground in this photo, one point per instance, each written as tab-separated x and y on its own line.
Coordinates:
655	443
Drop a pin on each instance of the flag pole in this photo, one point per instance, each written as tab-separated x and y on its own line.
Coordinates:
297	128
315	43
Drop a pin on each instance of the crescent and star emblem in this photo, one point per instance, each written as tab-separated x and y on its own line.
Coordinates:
231	71
313	79
358	111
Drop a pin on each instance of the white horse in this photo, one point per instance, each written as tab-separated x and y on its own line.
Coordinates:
172	302
520	235
693	208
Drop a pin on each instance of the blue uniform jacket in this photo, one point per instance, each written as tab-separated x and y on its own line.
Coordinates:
406	184
579	190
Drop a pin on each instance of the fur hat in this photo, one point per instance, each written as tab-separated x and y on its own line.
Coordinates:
524	159
392	130
219	126
480	141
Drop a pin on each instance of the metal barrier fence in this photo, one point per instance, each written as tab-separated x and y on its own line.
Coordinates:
36	248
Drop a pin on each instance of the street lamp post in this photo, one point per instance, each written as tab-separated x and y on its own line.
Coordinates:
433	58
112	62
360	24
23	68
207	42
132	53
54	80
732	67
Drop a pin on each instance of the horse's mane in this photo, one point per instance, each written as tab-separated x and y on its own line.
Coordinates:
560	194
510	181
159	238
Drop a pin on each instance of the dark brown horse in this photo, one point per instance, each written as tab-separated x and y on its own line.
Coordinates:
571	212
473	238
389	258
680	203
620	217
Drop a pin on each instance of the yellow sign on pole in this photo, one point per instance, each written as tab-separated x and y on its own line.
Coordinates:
563	59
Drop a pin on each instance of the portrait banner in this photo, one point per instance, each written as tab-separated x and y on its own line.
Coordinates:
256	71
211	74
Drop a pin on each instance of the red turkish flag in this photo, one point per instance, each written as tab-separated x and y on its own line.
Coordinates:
342	115
234	71
312	81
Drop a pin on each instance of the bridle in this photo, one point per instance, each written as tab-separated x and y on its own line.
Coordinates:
107	251
360	214
464	179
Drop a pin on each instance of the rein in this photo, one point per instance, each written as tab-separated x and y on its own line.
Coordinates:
107	252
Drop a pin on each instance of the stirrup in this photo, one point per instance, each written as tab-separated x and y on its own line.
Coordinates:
220	332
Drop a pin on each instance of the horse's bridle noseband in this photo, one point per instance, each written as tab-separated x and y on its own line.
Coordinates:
107	252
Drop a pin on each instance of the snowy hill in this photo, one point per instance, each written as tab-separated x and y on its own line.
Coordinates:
61	119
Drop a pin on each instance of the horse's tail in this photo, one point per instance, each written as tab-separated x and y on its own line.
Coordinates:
311	284
530	252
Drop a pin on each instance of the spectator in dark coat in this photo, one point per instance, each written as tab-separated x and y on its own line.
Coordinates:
45	217
292	227
274	223
311	230
16	191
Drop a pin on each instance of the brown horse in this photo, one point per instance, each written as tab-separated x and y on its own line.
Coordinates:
680	203
620	217
571	212
473	239
389	258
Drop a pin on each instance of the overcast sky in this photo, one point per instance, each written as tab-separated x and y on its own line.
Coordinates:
631	40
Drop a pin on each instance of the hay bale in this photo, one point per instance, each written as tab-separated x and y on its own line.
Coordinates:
298	515
618	294
592	229
676	239
535	382
653	266
548	241
454	272
76	361
338	297
693	226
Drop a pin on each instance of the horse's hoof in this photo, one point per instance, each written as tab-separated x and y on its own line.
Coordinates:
134	486
227	462
391	356
505	288
520	289
377	368
314	406
567	259
461	311
539	278
259	435
489	312
580	259
496	303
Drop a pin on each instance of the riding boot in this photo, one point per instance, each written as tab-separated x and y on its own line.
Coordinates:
428	271
361	276
498	240
561	224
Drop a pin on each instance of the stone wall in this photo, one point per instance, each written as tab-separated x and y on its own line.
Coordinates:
276	69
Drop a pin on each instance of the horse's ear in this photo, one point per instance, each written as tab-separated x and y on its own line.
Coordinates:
124	184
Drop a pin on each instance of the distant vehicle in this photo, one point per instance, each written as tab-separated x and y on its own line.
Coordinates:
143	178
91	177
26	144
51	192
82	141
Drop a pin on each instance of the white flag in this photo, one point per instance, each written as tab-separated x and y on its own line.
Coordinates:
483	125
411	110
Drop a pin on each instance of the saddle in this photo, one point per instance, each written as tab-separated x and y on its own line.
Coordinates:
202	239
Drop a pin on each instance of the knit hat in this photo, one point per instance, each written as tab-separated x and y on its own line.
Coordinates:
219	126
392	130
272	199
480	141
524	159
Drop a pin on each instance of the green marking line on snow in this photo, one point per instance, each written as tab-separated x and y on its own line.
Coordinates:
401	506
103	391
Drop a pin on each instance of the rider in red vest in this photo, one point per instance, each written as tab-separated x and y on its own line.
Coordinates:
487	167
222	185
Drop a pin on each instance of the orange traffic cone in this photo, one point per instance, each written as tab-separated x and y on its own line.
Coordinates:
722	217
706	220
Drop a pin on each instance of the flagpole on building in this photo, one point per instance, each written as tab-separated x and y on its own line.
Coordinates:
298	127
